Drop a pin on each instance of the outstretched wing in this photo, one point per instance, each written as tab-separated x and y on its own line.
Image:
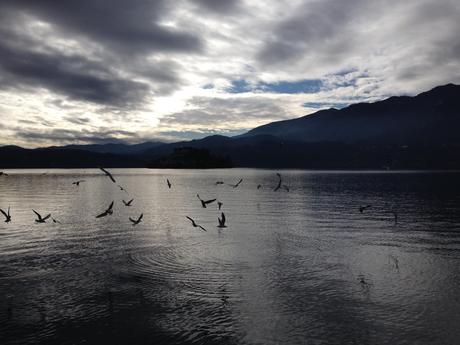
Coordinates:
103	214
223	218
110	206
132	220
47	216
108	174
193	222
4	213
209	201
202	228
238	183
38	214
140	217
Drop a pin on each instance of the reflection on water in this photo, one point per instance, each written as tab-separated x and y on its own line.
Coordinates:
295	267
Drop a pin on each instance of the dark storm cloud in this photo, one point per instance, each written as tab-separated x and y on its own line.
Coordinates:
130	26
313	26
219	6
74	76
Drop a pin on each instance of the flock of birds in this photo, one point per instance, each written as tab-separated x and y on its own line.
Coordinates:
135	221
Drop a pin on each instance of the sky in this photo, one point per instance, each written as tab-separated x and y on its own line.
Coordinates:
99	71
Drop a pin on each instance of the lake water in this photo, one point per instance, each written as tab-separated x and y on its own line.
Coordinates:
297	267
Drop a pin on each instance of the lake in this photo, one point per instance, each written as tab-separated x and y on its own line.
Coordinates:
303	266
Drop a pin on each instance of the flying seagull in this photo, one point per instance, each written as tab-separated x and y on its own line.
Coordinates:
221	221
41	219
205	202
106	212
77	183
3	173
219	204
121	188
279	182
219	182
259	186
7	215
237	184
136	221
108	174
195	225
127	203
169	183
364	208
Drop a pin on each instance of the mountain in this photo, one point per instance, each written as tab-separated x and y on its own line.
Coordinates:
431	117
397	133
118	148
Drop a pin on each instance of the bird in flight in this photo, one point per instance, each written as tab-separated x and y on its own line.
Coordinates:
219	204
127	203
106	212
195	225
77	183
219	182
41	219
3	173
205	202
7	215
237	184
121	188
108	174
259	186
364	208
169	183
55	221
279	182
221	221
136	221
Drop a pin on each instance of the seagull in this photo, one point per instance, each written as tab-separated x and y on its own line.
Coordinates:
205	202
259	186
363	208
121	188
127	203
195	225
221	221
106	212
219	182
108	174
41	219
219	204
7	215
77	183
169	183
237	184
3	173
134	221
279	182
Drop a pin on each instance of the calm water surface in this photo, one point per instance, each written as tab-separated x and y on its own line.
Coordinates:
297	267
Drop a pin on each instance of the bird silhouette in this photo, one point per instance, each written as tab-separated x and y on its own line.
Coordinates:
77	183
221	221
364	208
219	204
136	221
194	224
205	202
7	215
219	182
259	186
279	182
41	219
3	173
107	212
236	184
127	203
121	188
109	175
169	183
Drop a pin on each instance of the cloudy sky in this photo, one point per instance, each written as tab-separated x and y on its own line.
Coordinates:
93	71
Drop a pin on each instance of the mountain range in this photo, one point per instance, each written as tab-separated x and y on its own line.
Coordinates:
400	132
